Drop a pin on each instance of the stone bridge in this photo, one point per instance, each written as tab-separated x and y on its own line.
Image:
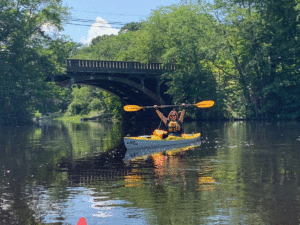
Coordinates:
134	82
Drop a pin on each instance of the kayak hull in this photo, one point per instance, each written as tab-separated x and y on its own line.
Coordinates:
144	142
137	153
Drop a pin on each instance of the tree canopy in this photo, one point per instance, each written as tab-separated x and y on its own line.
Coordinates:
243	54
29	53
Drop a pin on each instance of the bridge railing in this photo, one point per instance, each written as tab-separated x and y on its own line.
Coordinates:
115	66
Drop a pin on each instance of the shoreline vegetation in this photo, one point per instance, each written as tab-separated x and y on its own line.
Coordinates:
242	54
92	116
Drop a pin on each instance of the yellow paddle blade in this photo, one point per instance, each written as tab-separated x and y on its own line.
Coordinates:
205	104
132	108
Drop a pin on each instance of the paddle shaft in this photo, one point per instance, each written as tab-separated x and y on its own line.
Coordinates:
167	106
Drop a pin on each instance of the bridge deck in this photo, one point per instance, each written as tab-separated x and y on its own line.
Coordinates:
76	65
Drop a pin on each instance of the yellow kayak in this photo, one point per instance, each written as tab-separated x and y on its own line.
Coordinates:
152	141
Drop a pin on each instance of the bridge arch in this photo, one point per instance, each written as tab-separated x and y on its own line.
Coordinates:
132	82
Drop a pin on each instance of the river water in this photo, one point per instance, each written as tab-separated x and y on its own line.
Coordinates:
242	173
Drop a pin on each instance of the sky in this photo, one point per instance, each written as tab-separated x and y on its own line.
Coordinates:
110	15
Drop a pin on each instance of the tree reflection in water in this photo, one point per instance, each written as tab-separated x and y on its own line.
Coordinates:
243	173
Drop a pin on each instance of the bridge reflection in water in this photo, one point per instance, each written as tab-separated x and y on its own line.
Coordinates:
133	82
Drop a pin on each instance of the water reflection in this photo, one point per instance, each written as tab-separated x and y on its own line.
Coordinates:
243	173
30	160
136	153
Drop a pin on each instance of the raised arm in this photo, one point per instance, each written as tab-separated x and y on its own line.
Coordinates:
161	116
181	118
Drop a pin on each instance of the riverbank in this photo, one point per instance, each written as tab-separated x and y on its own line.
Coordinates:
93	116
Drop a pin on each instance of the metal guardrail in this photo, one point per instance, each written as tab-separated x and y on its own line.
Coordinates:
115	66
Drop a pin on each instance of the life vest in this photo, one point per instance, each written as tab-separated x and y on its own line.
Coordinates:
160	133
174	126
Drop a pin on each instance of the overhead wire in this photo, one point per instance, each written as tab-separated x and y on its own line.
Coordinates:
95	24
86	25
109	13
90	22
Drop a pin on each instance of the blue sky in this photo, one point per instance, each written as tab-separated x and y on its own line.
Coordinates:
111	15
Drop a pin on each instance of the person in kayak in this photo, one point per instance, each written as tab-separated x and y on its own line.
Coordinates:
173	122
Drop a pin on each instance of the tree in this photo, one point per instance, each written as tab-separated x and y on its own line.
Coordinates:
133	26
81	99
180	35
245	56
29	53
261	40
104	47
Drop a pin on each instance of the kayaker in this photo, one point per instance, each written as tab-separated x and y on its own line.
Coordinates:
173	122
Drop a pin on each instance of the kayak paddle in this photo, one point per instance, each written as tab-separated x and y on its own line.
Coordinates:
203	104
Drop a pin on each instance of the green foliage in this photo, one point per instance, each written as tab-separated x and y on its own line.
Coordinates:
180	35
104	47
80	102
29	53
96	104
133	26
114	105
87	99
37	114
243	54
261	39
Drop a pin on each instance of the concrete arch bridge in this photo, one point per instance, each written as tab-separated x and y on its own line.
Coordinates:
135	83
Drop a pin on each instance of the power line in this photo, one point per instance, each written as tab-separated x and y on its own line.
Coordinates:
89	23
118	25
92	21
109	13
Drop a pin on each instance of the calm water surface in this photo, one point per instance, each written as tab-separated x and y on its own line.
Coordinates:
243	173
